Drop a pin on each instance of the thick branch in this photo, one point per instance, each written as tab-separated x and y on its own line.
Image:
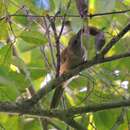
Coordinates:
115	39
55	83
64	115
58	81
15	108
98	107
116	57
61	114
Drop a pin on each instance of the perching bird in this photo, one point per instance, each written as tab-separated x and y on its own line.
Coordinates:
71	56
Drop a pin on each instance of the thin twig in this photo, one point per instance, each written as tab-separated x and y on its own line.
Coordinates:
42	49
63	22
50	44
109	13
71	15
52	23
58	40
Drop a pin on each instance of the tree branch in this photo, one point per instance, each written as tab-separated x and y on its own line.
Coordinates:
89	15
64	115
49	43
15	108
98	107
57	41
59	80
115	39
115	57
55	83
108	13
96	60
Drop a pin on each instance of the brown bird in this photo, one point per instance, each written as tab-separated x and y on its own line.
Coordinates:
71	56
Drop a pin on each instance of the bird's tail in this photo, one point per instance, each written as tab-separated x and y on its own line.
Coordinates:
57	96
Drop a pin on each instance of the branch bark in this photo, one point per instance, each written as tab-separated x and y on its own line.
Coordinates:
98	107
96	60
116	57
15	108
89	15
115	39
58	81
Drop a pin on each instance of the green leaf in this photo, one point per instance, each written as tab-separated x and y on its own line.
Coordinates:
105	5
77	24
104	120
1	8
22	66
11	83
23	46
3	30
21	20
8	122
37	66
33	37
5	55
31	124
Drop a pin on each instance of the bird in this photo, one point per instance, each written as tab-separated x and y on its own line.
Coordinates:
75	54
71	57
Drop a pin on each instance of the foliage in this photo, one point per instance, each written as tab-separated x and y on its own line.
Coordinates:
28	56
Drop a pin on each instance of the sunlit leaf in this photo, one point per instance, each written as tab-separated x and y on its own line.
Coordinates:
105	119
32	37
3	30
6	55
